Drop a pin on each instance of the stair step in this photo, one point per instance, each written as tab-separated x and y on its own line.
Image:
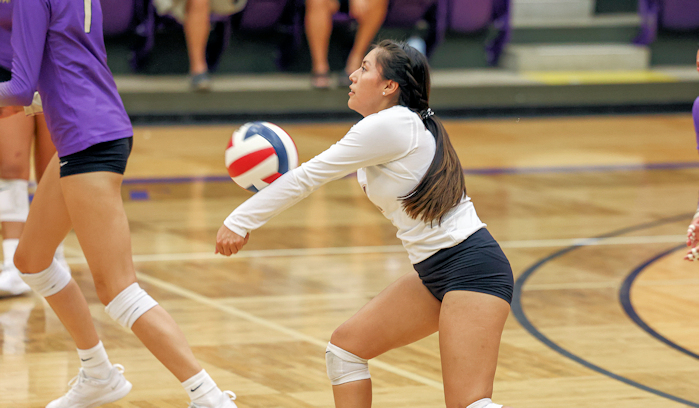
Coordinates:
523	10
594	21
575	57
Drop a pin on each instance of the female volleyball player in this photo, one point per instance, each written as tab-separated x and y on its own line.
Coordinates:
17	133
58	46
693	253
407	166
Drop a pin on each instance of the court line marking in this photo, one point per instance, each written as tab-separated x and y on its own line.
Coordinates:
384	249
523	319
295	334
627	304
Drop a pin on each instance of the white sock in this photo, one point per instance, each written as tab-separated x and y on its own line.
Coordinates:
9	246
202	389
95	362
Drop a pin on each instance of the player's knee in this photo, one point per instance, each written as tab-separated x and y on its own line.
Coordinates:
26	260
129	305
344	367
49	281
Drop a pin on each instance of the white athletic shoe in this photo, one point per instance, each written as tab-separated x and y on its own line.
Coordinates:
226	401
87	392
10	282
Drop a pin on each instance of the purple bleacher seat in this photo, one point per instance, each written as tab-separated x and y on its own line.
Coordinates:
260	15
670	14
118	16
467	16
679	14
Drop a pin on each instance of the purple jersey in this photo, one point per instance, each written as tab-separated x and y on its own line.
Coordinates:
59	49
5	32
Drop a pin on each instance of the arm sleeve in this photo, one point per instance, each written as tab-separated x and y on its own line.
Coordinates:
368	143
30	22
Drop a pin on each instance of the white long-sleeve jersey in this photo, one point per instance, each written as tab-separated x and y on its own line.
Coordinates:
391	151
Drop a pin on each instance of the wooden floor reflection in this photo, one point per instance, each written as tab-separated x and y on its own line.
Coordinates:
259	321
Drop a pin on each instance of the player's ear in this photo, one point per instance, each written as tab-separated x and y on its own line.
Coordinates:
390	88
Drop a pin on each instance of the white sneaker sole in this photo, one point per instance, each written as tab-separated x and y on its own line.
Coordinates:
114	395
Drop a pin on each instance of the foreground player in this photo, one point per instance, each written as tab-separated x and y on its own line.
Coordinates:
17	132
693	253
58	45
407	167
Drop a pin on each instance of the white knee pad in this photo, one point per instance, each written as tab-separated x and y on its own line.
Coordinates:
129	305
484	403
49	281
344	367
14	200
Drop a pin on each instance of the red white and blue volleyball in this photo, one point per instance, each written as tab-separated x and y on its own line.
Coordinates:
259	153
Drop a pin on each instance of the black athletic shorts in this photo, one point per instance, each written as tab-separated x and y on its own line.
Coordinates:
106	156
477	264
5	75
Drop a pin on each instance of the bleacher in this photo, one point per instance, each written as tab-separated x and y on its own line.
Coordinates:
557	56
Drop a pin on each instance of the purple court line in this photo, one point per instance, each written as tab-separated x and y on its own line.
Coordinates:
488	171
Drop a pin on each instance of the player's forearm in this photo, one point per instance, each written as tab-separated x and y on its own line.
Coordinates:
15	93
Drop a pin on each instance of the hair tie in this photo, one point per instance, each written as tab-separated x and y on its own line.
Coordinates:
426	113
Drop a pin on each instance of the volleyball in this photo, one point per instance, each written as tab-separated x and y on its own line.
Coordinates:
258	153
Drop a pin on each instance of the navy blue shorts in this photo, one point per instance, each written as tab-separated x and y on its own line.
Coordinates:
5	75
106	156
477	264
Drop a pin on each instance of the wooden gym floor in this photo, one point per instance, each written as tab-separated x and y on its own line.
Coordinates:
591	211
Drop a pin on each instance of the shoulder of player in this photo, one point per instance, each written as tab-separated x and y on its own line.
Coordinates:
386	122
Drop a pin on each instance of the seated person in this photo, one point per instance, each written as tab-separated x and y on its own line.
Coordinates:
369	14
195	16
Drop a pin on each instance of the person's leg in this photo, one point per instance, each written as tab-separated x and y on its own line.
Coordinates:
16	134
197	26
44	150
100	224
401	314
470	327
47	225
370	15
43	146
318	25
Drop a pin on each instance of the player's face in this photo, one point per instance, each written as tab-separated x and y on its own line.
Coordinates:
367	84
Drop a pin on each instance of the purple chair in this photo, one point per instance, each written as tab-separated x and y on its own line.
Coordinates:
671	14
118	15
680	14
467	16
285	16
131	16
407	13
263	15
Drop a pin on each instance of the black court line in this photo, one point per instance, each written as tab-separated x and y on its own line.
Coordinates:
625	299
518	310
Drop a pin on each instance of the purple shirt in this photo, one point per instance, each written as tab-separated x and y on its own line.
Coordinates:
5	33
59	49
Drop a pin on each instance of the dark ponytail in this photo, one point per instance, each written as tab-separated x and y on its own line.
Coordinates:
442	187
